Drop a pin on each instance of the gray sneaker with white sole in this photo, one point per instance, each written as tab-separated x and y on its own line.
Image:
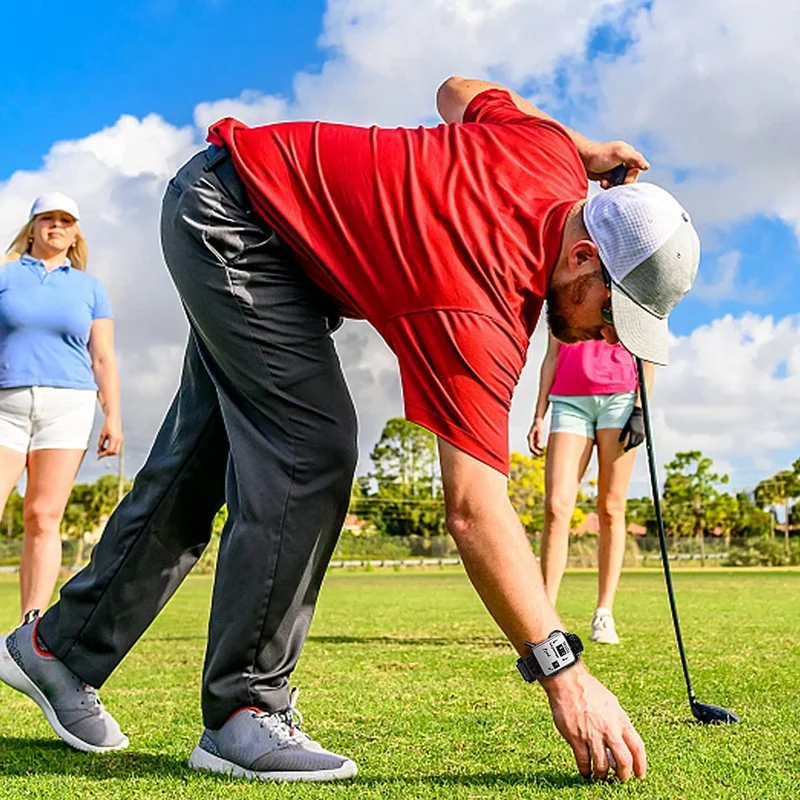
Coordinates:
269	747
71	706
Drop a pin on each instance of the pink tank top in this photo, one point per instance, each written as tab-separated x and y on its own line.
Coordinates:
594	367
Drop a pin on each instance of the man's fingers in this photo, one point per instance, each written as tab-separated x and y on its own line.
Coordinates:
622	763
632	175
599	758
582	758
633	158
636	748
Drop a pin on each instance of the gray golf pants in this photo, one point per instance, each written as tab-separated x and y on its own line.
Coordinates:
262	420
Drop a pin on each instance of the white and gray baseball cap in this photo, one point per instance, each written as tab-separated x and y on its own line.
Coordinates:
651	251
55	201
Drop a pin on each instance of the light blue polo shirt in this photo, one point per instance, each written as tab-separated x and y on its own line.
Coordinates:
45	322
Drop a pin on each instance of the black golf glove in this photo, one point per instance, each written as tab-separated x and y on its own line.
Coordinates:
634	429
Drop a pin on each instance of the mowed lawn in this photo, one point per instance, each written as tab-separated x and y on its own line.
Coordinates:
406	673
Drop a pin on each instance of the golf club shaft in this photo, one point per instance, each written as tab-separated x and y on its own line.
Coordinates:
651	460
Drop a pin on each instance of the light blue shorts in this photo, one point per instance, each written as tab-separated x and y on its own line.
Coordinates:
586	413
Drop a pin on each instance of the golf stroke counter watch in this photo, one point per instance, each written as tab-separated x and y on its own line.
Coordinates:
559	651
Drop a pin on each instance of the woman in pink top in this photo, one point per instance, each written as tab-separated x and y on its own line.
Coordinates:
593	389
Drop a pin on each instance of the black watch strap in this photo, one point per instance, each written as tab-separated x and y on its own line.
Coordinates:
530	668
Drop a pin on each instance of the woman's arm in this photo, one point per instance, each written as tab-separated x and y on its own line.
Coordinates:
649	375
106	374
547	375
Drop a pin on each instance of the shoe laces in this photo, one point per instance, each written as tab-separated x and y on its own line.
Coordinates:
284	725
90	697
603	622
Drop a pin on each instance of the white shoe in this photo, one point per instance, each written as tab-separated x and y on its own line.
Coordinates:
603	630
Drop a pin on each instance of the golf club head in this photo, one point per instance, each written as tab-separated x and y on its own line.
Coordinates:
713	715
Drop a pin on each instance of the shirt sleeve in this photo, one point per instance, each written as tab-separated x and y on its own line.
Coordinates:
458	371
496	106
102	305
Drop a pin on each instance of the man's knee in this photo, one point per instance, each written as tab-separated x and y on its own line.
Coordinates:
334	453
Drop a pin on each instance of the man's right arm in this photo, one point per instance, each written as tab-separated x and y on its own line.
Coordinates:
503	569
599	158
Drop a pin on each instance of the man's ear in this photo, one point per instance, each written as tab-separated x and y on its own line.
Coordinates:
581	252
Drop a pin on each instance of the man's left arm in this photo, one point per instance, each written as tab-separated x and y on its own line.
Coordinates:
500	563
599	158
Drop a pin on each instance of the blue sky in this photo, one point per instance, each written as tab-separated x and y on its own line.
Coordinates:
166	56
661	74
161	56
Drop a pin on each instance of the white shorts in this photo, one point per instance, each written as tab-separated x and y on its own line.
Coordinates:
46	418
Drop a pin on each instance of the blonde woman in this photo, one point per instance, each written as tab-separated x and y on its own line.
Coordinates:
56	356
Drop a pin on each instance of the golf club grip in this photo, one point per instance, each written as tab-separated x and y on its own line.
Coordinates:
618	174
662	538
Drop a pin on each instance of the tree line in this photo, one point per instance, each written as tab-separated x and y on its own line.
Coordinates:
402	495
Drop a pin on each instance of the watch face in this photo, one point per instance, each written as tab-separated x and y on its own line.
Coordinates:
554	654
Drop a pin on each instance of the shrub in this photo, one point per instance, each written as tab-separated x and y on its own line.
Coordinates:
764	553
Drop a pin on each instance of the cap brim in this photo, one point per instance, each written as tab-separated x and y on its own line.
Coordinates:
46	210
642	333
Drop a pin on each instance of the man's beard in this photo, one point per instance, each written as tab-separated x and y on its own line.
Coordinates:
561	297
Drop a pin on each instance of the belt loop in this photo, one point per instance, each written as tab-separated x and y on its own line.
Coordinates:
215	155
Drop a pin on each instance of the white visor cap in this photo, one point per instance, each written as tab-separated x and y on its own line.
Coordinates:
55	201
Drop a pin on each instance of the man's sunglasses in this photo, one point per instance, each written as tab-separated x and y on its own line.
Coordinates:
606	312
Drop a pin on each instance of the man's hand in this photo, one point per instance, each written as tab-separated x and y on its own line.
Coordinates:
536	436
589	717
633	430
600	158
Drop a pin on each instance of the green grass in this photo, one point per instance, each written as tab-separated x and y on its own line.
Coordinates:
405	672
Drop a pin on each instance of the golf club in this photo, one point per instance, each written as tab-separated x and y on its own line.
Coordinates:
703	712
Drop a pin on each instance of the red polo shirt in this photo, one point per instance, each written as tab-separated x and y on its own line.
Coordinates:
442	238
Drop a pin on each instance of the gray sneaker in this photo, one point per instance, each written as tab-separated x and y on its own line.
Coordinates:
268	747
71	706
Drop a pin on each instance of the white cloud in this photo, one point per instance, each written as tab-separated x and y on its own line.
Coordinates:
711	81
252	108
386	59
712	85
732	390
